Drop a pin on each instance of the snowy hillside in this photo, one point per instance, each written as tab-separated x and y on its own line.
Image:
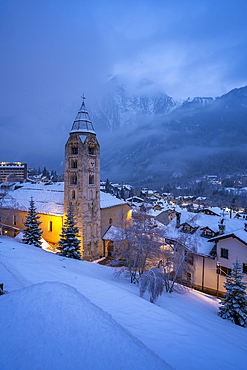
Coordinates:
69	314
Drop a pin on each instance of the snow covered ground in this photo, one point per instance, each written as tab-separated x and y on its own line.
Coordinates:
68	314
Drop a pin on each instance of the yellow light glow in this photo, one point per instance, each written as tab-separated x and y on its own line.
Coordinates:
129	214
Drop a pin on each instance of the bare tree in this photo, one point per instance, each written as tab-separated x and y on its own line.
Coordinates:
177	256
137	246
177	262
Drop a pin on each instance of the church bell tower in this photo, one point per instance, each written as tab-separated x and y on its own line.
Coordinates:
82	183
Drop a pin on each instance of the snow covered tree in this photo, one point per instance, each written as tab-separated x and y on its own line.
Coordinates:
32	233
153	282
107	186
122	194
69	244
234	304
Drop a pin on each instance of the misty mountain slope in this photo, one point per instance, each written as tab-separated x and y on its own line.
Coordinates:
155	137
118	109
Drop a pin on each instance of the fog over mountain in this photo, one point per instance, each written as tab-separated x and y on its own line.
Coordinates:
151	136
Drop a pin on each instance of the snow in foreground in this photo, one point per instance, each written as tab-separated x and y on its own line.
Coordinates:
49	319
53	326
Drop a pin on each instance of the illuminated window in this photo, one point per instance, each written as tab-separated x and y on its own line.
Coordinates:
224	253
49	225
91	179
110	221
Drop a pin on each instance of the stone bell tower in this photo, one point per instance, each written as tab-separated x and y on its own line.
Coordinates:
82	183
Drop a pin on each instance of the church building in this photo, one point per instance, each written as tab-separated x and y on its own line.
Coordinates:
95	211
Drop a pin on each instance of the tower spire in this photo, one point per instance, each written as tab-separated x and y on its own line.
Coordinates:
82	122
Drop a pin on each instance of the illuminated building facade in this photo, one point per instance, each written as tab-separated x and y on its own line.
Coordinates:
14	171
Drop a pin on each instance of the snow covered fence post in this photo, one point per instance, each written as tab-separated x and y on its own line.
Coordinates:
234	304
32	233
69	244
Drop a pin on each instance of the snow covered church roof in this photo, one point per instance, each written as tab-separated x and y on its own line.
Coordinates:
82	122
49	199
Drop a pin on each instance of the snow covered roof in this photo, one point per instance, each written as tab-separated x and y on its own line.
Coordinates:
49	199
113	233
82	122
107	200
201	221
240	234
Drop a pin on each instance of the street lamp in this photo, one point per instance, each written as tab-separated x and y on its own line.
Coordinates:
218	273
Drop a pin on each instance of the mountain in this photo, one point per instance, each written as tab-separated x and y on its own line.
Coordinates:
118	109
151	137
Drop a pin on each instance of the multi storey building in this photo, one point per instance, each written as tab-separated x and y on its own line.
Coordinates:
14	171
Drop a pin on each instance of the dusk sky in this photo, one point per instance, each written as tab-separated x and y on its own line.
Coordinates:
54	51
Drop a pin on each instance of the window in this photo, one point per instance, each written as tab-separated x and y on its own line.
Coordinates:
91	179
49	225
89	236
245	268
110	221
94	230
14	220
224	253
91	151
73	179
74	150
73	163
73	194
225	271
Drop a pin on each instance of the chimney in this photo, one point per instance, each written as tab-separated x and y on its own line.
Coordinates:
178	215
221	227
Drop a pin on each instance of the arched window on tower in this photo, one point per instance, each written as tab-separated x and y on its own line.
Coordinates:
91	179
74	149
73	163
73	194
91	150
73	179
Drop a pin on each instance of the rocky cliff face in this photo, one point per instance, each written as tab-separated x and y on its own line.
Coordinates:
154	136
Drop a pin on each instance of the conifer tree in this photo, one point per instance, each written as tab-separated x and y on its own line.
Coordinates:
69	244
32	233
234	304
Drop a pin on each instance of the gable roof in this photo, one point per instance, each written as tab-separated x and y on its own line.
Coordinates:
49	199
